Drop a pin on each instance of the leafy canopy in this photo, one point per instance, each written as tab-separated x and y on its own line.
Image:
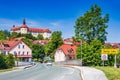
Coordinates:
56	41
92	25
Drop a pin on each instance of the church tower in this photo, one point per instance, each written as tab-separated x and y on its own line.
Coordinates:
24	28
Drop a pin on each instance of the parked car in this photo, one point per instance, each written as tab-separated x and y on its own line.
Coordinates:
49	64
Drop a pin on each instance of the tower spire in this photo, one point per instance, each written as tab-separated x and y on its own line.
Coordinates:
24	22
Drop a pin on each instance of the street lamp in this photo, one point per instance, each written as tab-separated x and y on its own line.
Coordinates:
81	51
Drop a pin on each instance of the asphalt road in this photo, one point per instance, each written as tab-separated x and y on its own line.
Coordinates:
42	72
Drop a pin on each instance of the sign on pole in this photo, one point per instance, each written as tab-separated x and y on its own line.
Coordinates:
109	51
104	57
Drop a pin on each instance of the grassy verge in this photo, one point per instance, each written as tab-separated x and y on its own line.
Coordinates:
111	72
4	70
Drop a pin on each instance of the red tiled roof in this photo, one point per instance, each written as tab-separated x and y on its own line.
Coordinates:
116	45
15	28
38	30
69	50
31	29
10	44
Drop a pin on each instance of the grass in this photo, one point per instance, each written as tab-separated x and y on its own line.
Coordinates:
4	70
111	72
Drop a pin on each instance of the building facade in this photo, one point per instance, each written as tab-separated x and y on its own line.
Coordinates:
18	48
65	52
24	29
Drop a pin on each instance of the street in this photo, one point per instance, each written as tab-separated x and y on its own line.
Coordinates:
42	72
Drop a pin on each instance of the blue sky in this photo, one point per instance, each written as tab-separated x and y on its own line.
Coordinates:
57	14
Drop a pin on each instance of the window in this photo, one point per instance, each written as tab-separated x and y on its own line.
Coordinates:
71	50
19	53
15	53
27	53
19	46
23	53
23	46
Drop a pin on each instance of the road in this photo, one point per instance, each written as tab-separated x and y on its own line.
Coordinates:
42	72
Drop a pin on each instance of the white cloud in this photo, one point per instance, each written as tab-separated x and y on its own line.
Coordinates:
65	26
55	24
7	23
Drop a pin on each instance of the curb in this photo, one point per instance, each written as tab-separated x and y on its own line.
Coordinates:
81	72
27	66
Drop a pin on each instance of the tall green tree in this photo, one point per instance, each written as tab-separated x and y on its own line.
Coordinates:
38	52
40	37
56	41
15	35
92	25
10	61
29	36
28	42
91	53
7	33
3	64
2	36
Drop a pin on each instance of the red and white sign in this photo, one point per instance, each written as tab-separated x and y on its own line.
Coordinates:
104	57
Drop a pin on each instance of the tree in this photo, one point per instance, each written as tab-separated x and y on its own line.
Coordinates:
56	41
92	25
28	42
7	33
15	35
3	64
38	52
40	37
29	36
91	54
10	61
2	36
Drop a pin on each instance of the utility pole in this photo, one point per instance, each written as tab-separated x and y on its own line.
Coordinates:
81	51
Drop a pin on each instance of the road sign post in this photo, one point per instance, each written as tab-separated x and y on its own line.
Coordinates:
104	57
115	64
111	51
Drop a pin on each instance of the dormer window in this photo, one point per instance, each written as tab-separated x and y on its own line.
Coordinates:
71	50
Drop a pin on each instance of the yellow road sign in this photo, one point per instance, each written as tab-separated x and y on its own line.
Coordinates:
109	51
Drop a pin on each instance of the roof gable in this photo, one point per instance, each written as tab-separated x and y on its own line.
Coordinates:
10	44
69	50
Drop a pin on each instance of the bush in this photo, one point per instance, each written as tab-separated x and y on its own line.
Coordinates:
3	64
10	60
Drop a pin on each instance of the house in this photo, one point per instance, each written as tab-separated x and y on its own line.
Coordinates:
24	29
18	48
68	41
65	52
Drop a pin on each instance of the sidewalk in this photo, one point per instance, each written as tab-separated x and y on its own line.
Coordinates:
91	73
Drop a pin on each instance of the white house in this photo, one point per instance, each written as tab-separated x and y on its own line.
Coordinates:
24	29
65	52
18	48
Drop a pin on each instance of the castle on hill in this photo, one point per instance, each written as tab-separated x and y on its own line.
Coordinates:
24	29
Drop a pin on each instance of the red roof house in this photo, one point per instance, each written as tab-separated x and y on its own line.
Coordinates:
65	52
18	48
